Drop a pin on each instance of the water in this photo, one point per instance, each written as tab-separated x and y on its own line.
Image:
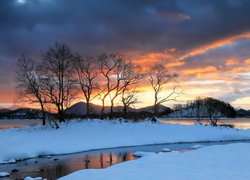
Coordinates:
239	123
57	166
16	123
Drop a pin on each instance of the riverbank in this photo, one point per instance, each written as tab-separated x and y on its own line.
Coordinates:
78	135
215	162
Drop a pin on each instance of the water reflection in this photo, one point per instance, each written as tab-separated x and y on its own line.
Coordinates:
16	123
239	123
53	168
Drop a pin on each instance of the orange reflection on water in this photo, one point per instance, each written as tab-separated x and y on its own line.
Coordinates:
239	123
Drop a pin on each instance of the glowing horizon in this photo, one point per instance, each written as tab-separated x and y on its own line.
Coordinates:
195	40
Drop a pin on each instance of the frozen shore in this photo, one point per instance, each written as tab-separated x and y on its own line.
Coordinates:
214	162
76	136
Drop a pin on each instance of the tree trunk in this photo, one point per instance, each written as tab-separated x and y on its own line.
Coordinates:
156	110
61	116
111	109
88	109
43	114
125	111
102	110
156	105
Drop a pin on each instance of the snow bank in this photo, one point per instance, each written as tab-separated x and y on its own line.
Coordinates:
166	150
142	154
30	178
4	174
214	162
196	146
78	136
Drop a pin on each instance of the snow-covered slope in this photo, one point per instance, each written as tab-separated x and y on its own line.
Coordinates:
222	162
193	112
78	136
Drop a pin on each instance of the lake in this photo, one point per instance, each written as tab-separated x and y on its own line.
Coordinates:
239	123
16	123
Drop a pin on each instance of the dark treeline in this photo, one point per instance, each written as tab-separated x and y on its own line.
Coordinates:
56	79
209	108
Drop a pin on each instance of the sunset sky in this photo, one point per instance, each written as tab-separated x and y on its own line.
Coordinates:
206	42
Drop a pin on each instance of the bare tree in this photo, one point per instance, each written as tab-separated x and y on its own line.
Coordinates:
159	76
131	77
29	84
128	98
86	69
119	75
110	67
57	74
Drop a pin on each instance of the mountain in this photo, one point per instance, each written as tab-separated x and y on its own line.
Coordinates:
243	113
150	109
22	113
80	109
5	110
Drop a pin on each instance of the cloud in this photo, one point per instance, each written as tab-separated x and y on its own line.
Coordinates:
199	40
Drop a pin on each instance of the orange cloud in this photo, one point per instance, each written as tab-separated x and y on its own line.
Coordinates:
207	69
153	57
175	64
231	62
216	44
239	70
247	61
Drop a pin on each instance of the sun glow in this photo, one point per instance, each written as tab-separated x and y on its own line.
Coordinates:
21	1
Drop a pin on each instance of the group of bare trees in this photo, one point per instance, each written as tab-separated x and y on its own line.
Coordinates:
48	82
56	80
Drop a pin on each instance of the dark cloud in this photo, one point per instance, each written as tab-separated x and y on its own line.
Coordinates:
116	25
96	26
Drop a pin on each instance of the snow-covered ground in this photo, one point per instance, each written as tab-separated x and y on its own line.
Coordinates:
4	174
215	162
78	136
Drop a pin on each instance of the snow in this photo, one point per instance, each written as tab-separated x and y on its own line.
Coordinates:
166	150
214	162
76	136
142	154
30	178
11	161
4	174
193	113
196	146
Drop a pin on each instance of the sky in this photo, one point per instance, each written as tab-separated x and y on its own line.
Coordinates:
206	42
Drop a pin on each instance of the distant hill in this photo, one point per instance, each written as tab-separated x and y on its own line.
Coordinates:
204	108
243	113
150	109
80	109
5	110
22	113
